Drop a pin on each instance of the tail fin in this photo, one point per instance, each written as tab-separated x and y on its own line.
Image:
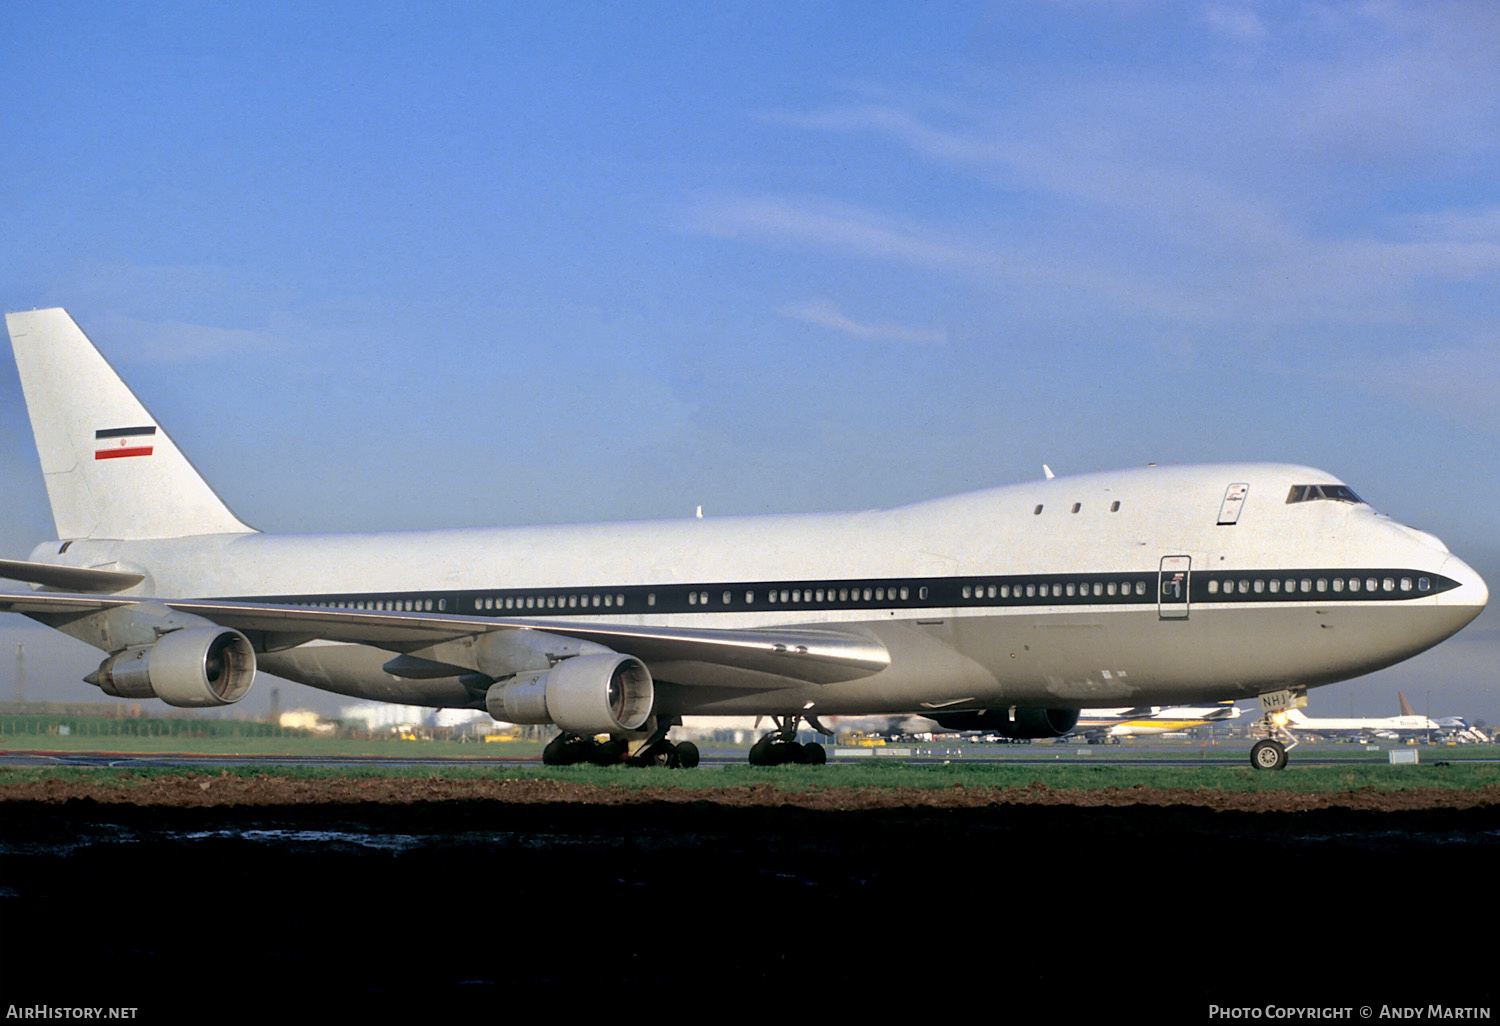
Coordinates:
111	470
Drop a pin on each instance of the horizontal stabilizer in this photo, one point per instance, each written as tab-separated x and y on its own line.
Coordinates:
68	578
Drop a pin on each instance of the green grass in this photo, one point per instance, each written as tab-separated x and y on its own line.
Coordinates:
1307	780
302	746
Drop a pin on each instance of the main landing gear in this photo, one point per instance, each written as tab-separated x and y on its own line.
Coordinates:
782	747
1270	752
571	749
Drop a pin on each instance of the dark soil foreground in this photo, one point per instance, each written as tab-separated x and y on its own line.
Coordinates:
191	897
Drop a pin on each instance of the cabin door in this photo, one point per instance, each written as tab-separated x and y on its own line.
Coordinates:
1172	587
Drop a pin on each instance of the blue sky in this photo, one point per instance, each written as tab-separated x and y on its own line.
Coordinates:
412	265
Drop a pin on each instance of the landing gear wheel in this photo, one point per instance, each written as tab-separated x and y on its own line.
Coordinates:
764	753
566	750
687	755
658	753
608	753
781	746
1268	755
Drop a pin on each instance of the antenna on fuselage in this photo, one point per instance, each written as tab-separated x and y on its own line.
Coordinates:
1047	471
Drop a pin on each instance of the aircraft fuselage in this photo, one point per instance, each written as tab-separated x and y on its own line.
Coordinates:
1161	585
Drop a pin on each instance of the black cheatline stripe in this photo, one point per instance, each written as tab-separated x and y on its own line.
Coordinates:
1016	591
149	429
1227	579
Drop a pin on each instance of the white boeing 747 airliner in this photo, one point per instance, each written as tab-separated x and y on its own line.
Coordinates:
1008	609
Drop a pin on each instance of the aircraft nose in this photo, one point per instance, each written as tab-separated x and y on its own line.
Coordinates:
1471	592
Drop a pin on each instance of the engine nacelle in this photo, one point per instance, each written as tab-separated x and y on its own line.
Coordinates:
1028	723
587	694
194	668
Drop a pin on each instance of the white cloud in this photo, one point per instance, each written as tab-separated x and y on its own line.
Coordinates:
826	314
844	227
174	341
865	234
1460	381
1236	22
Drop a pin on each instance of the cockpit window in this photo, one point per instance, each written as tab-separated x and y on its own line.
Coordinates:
1312	492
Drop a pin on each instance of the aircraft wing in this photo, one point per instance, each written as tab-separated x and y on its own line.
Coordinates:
756	657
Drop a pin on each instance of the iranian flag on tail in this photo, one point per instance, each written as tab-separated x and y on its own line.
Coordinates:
114	443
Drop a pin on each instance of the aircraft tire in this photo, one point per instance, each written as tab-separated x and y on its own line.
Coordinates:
1268	755
687	755
763	752
560	751
608	753
813	754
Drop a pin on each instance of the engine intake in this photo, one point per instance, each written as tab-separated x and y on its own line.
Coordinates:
1027	723
193	668
587	694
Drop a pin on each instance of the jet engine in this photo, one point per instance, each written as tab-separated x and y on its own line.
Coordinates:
1025	723
193	668
587	694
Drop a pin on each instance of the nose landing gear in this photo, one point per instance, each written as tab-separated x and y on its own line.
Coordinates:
1270	752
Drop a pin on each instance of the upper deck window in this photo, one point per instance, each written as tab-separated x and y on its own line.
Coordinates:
1311	493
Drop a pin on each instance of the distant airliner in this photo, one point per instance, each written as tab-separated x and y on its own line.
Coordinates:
1408	724
1101	724
1009	609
